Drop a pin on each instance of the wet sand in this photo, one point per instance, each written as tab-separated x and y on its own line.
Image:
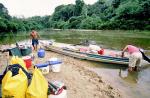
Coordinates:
80	81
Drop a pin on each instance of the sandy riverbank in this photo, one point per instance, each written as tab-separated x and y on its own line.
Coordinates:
80	82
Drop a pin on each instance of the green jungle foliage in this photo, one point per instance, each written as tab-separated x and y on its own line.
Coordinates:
104	14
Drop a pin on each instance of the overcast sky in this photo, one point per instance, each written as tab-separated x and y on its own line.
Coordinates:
28	8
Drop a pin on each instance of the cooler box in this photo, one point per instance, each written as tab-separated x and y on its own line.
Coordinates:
55	64
26	51
28	61
15	52
43	67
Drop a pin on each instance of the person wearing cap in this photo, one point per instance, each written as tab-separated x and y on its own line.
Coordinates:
34	36
135	57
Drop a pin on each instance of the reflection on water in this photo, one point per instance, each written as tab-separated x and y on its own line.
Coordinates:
130	84
131	77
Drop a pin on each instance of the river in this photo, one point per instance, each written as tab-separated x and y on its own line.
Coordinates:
132	85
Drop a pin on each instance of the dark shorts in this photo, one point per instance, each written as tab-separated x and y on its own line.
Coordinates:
35	42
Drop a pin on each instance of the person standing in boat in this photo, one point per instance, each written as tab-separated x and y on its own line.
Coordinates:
34	36
135	57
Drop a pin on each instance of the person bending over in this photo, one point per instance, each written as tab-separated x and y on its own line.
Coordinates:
135	57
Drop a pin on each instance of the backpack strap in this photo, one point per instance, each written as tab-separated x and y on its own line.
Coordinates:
15	69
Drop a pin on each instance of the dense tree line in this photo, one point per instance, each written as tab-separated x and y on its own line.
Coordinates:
8	23
104	14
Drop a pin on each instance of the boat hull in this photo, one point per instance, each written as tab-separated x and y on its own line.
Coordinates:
89	56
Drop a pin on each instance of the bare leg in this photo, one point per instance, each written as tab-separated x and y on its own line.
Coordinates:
136	68
130	69
35	47
138	64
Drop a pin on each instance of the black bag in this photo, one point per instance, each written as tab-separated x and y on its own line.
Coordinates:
145	57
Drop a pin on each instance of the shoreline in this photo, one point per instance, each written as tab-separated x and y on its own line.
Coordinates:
80	81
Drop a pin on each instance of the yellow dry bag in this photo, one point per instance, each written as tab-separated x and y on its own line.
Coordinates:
14	86
38	87
17	60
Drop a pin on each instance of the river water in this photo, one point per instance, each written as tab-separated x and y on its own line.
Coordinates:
131	85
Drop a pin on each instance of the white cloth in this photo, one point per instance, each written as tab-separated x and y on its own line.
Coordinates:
94	47
135	59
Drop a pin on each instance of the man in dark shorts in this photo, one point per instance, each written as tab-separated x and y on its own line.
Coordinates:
34	36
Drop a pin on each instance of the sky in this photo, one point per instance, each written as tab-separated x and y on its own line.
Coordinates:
29	8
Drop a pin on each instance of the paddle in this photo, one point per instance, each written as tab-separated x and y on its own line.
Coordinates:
15	39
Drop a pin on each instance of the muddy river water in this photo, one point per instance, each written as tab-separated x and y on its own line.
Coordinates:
131	85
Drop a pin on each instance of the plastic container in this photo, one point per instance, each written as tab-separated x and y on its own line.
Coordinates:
28	61
43	67
55	64
15	52
101	52
54	59
41	53
63	94
56	67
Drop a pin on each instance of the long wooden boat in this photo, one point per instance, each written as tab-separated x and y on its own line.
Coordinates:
89	56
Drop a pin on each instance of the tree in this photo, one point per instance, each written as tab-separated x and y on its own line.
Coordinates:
98	8
3	26
115	3
90	23
63	12
4	12
104	14
84	10
78	7
74	22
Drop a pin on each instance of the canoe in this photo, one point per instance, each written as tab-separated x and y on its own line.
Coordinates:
89	56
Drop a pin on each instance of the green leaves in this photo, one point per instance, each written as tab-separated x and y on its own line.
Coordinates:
128	10
103	14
